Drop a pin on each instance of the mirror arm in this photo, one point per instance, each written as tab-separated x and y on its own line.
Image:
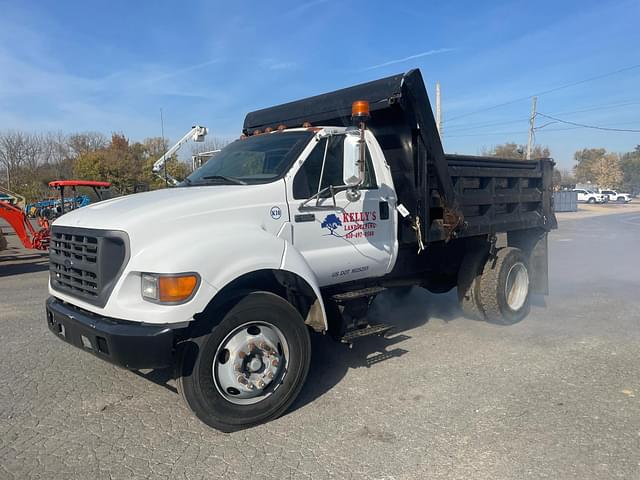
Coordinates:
316	197
363	152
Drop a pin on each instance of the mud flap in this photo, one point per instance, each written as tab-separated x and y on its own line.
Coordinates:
534	243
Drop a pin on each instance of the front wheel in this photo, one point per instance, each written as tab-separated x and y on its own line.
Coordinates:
591	200
250	368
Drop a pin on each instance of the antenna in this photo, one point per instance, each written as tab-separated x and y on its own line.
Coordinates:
164	148
438	110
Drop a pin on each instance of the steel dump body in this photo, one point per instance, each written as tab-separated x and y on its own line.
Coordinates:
455	196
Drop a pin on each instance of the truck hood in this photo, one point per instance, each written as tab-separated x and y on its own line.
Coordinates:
173	206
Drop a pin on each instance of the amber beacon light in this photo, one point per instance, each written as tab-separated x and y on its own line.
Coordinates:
360	110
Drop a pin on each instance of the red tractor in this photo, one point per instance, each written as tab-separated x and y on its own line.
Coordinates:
30	236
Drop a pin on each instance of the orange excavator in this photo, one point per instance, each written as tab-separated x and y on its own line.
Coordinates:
30	236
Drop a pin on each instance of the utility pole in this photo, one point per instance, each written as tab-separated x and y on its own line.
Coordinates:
166	177
532	120
438	110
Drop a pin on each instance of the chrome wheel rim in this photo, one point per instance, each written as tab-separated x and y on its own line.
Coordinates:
517	287
250	363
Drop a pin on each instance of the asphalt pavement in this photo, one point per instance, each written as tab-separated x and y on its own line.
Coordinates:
556	396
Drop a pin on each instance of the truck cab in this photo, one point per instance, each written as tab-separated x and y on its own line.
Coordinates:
292	230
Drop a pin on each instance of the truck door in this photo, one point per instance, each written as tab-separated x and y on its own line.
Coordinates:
353	239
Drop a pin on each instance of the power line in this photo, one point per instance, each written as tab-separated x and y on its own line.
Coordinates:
545	92
546	130
460	128
605	106
588	126
516	132
522	132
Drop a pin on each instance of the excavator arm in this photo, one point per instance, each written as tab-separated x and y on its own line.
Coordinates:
28	235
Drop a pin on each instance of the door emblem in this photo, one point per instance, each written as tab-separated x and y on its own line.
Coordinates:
275	212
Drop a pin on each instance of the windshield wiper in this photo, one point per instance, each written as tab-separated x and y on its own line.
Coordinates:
233	180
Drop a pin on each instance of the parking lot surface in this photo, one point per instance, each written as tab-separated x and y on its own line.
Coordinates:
556	396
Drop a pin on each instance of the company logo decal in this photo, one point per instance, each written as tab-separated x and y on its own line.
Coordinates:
351	224
331	222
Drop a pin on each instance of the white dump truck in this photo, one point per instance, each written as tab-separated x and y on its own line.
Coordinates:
291	231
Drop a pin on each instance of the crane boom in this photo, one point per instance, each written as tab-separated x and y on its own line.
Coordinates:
197	134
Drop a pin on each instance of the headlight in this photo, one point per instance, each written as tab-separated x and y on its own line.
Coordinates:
169	288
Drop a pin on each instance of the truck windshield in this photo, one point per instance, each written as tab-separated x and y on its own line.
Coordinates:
257	159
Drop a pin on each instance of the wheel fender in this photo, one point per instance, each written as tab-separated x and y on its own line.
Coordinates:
262	251
294	262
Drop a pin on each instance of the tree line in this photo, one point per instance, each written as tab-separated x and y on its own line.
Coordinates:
29	161
592	165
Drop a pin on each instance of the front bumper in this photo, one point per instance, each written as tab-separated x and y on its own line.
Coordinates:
126	344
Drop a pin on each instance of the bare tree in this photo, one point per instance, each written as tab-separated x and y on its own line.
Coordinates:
12	153
87	142
33	152
57	154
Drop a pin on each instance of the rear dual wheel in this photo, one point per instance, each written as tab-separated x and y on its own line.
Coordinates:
250	368
496	290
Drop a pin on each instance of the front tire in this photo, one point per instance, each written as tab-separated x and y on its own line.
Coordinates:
591	200
250	367
503	290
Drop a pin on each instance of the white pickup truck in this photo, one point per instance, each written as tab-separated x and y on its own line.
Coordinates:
613	196
589	196
290	231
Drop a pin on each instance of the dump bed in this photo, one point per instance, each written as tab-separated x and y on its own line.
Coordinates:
454	196
502	195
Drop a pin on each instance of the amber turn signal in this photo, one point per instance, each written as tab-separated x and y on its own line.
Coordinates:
176	288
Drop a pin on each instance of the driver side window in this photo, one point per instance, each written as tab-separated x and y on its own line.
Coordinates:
306	181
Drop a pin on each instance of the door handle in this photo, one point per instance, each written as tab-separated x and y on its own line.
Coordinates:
384	210
305	217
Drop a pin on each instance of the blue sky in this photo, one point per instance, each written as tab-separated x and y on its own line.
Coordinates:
111	66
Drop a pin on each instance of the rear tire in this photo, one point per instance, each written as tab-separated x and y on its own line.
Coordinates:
503	289
250	368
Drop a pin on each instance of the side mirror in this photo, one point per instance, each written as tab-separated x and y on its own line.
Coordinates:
351	158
